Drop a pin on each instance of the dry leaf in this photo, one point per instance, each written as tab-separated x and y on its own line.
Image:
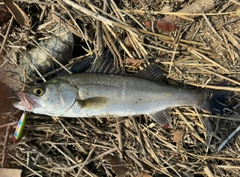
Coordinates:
17	13
231	38
165	25
147	24
127	42
134	62
118	167
67	24
178	136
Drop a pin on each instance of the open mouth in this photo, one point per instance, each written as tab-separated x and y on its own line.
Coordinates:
26	101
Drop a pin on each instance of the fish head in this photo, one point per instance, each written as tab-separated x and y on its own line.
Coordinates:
50	98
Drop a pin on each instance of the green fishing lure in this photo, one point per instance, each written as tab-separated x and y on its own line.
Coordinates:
19	129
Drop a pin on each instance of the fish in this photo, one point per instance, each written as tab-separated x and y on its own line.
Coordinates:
107	95
17	75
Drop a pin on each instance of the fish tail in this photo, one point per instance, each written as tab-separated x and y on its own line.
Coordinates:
216	101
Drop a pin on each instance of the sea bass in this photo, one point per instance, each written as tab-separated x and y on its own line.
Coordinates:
102	95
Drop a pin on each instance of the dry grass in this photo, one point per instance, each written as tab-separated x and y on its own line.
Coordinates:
203	51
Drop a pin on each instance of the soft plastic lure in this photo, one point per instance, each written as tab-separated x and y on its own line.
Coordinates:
20	126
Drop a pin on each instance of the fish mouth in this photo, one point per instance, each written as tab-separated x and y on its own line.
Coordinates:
26	102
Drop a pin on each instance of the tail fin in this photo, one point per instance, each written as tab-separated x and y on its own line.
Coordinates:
216	101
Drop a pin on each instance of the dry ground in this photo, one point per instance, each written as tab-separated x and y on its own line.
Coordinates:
202	50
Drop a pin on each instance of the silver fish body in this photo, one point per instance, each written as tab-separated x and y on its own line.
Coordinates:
88	95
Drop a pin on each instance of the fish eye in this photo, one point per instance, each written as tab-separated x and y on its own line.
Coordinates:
38	91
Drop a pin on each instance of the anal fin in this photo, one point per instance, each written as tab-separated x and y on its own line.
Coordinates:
162	117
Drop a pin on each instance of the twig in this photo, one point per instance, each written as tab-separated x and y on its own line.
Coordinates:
235	2
120	41
9	124
139	137
74	21
199	55
5	147
65	23
227	139
176	45
119	130
221	76
126	27
6	35
190	126
79	146
25	165
234	89
210	25
113	46
208	172
86	161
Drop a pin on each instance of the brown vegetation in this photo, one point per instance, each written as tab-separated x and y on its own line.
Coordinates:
202	51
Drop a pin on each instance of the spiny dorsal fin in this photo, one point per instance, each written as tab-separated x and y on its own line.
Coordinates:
106	64
79	66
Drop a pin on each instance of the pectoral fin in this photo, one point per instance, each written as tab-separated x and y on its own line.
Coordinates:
94	102
162	117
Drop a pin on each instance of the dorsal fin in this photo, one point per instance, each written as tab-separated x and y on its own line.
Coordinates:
79	67
107	64
151	71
